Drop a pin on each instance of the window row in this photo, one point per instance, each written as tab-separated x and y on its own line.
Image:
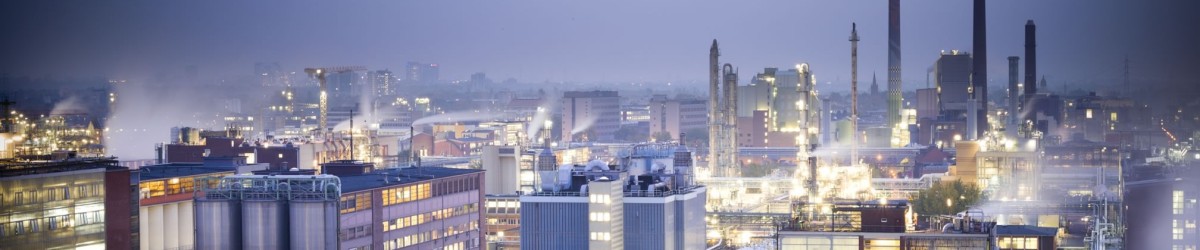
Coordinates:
354	232
601	236
44	195
423	237
599	216
404	194
356	202
51	223
455	186
419	219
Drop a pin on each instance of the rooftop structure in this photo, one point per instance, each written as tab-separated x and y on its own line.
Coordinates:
585	206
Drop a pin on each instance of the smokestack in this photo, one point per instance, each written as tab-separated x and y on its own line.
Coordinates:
1014	68
979	74
1030	71
714	110
895	97
854	94
1030	59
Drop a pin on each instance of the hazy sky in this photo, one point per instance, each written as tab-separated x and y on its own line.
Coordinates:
587	41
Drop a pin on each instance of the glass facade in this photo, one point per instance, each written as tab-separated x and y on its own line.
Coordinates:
59	210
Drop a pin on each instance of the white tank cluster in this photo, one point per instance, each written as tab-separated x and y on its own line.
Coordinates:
268	212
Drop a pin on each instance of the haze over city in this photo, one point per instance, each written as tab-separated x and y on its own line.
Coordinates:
897	124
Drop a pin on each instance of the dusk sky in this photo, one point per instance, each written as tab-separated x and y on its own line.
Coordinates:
603	41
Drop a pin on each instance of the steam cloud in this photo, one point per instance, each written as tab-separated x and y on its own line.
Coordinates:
463	116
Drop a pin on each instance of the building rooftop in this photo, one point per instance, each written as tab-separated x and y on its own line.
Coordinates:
172	170
398	176
1025	230
14	167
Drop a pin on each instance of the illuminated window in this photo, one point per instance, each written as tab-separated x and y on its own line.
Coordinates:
1177	202
1176	230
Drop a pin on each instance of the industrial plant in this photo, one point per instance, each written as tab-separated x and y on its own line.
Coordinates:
581	126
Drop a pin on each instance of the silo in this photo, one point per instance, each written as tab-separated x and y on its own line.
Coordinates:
218	224
265	224
314	224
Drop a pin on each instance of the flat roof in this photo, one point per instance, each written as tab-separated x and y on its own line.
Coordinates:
398	177
1025	230
14	167
172	170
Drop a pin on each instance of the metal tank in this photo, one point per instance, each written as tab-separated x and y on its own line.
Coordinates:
265	224
218	225
314	224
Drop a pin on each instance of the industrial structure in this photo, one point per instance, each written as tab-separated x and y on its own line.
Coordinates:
648	200
895	98
165	204
978	105
722	115
398	208
854	141
323	102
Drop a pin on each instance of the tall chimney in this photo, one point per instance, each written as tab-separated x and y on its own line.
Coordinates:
854	94
979	74
1014	68
894	92
714	107
1030	59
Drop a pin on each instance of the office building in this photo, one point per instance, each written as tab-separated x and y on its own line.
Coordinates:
405	208
1162	211
646	201
76	203
590	115
503	222
416	72
675	116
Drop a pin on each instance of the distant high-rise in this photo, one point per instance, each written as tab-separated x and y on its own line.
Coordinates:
895	97
416	72
979	77
676	116
590	115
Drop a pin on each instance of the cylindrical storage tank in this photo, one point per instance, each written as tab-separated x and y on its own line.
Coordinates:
264	224
218	224
314	224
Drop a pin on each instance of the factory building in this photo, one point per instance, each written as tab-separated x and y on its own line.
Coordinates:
280	155
646	201
590	115
67	203
165	207
405	208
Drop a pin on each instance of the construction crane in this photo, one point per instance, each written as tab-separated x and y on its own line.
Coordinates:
320	73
